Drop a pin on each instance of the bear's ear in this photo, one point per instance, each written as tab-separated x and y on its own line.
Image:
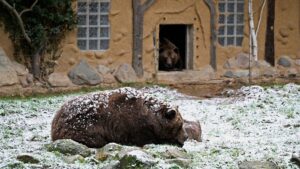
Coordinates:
170	114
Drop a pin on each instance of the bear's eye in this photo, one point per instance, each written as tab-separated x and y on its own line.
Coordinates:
170	114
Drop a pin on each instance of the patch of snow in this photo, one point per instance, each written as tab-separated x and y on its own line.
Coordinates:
253	123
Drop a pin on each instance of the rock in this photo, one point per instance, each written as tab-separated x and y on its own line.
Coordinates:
109	79
112	165
229	74
174	152
292	72
8	75
4	60
182	162
137	159
257	165
263	64
207	73
27	158
30	78
59	80
255	73
109	151
84	74
269	72
236	73
297	62
285	61
69	147
230	64
296	159
20	69
242	60
103	69
125	74
23	81
72	159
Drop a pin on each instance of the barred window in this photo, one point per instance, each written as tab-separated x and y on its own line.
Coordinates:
93	24
231	22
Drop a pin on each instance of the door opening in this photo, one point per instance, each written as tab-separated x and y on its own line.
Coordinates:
175	47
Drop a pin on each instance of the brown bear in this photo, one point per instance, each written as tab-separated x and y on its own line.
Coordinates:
193	130
169	56
126	116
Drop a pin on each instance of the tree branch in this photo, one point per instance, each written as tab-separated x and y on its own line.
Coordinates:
19	19
147	5
260	16
29	9
213	32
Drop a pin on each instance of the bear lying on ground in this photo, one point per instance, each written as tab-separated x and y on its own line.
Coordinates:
169	56
125	116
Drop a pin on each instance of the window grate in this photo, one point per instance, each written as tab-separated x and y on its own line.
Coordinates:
93	24
231	22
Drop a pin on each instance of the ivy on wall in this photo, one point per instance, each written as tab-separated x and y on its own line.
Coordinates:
45	22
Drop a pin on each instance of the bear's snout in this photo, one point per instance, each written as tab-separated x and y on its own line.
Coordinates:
182	136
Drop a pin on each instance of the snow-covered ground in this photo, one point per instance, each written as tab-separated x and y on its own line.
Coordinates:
252	123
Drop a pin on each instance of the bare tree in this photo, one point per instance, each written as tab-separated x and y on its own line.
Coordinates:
253	44
139	9
213	32
36	57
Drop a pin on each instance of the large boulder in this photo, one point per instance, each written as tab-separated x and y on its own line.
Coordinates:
137	159
125	74
285	61
8	75
69	147
84	74
59	80
240	61
106	73
27	158
19	68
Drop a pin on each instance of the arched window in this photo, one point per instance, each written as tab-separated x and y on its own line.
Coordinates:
93	24
231	22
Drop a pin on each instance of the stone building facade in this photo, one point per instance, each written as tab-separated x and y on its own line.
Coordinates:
104	38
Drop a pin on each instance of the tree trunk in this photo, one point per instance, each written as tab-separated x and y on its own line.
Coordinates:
253	44
213	32
269	44
138	23
36	62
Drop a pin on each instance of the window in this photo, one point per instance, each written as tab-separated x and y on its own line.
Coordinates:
93	24
231	22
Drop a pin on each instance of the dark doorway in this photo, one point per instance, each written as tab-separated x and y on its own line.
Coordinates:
269	44
179	35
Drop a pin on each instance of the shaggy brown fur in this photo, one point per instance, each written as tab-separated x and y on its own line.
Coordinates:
124	116
169	56
193	130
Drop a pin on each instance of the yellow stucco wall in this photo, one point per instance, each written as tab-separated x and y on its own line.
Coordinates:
192	12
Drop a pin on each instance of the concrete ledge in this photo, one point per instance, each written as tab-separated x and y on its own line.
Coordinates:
186	76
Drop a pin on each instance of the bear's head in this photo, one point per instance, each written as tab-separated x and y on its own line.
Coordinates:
168	123
169	55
